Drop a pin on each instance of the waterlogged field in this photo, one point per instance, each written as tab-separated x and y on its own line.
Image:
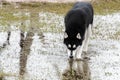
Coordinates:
34	50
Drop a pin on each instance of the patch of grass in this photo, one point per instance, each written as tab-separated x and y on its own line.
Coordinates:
108	74
9	16
6	74
116	35
5	3
100	6
106	6
8	10
58	8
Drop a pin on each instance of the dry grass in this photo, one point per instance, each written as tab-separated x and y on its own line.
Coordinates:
106	6
6	13
100	6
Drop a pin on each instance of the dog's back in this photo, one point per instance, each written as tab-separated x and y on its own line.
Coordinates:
86	8
78	18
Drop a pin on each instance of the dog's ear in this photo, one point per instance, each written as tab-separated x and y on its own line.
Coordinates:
65	35
78	36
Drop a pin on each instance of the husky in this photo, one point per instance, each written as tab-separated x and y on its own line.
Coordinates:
78	24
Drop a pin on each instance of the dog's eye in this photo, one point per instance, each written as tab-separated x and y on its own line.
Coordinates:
69	45
74	46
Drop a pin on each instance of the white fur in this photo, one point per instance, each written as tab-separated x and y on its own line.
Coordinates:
65	35
87	36
79	52
69	53
74	46
69	45
78	36
84	46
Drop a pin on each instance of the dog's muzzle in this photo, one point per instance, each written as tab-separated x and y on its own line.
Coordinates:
71	54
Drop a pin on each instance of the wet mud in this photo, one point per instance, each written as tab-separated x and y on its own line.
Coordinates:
78	69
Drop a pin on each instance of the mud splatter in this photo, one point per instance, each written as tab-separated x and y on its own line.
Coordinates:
78	70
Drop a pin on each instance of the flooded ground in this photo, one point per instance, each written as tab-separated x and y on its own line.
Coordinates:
47	58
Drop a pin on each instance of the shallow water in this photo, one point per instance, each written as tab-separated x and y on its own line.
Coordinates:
48	59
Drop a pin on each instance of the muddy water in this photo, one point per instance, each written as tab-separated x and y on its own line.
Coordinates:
77	70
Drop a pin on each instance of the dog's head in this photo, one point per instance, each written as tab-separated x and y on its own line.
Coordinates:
72	43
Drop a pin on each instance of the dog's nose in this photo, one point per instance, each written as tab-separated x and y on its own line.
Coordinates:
71	57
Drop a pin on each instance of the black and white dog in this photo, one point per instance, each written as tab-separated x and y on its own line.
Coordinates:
78	24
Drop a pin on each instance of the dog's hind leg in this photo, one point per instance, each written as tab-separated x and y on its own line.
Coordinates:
87	36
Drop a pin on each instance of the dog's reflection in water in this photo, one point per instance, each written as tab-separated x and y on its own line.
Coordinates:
78	69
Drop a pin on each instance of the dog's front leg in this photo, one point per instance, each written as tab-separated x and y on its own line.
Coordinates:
88	33
79	52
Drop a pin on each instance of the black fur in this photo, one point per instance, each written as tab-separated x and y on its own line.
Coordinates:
77	21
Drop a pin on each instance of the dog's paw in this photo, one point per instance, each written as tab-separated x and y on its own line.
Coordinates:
79	75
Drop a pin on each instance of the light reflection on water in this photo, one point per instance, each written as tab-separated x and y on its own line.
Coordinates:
48	58
45	55
46	52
